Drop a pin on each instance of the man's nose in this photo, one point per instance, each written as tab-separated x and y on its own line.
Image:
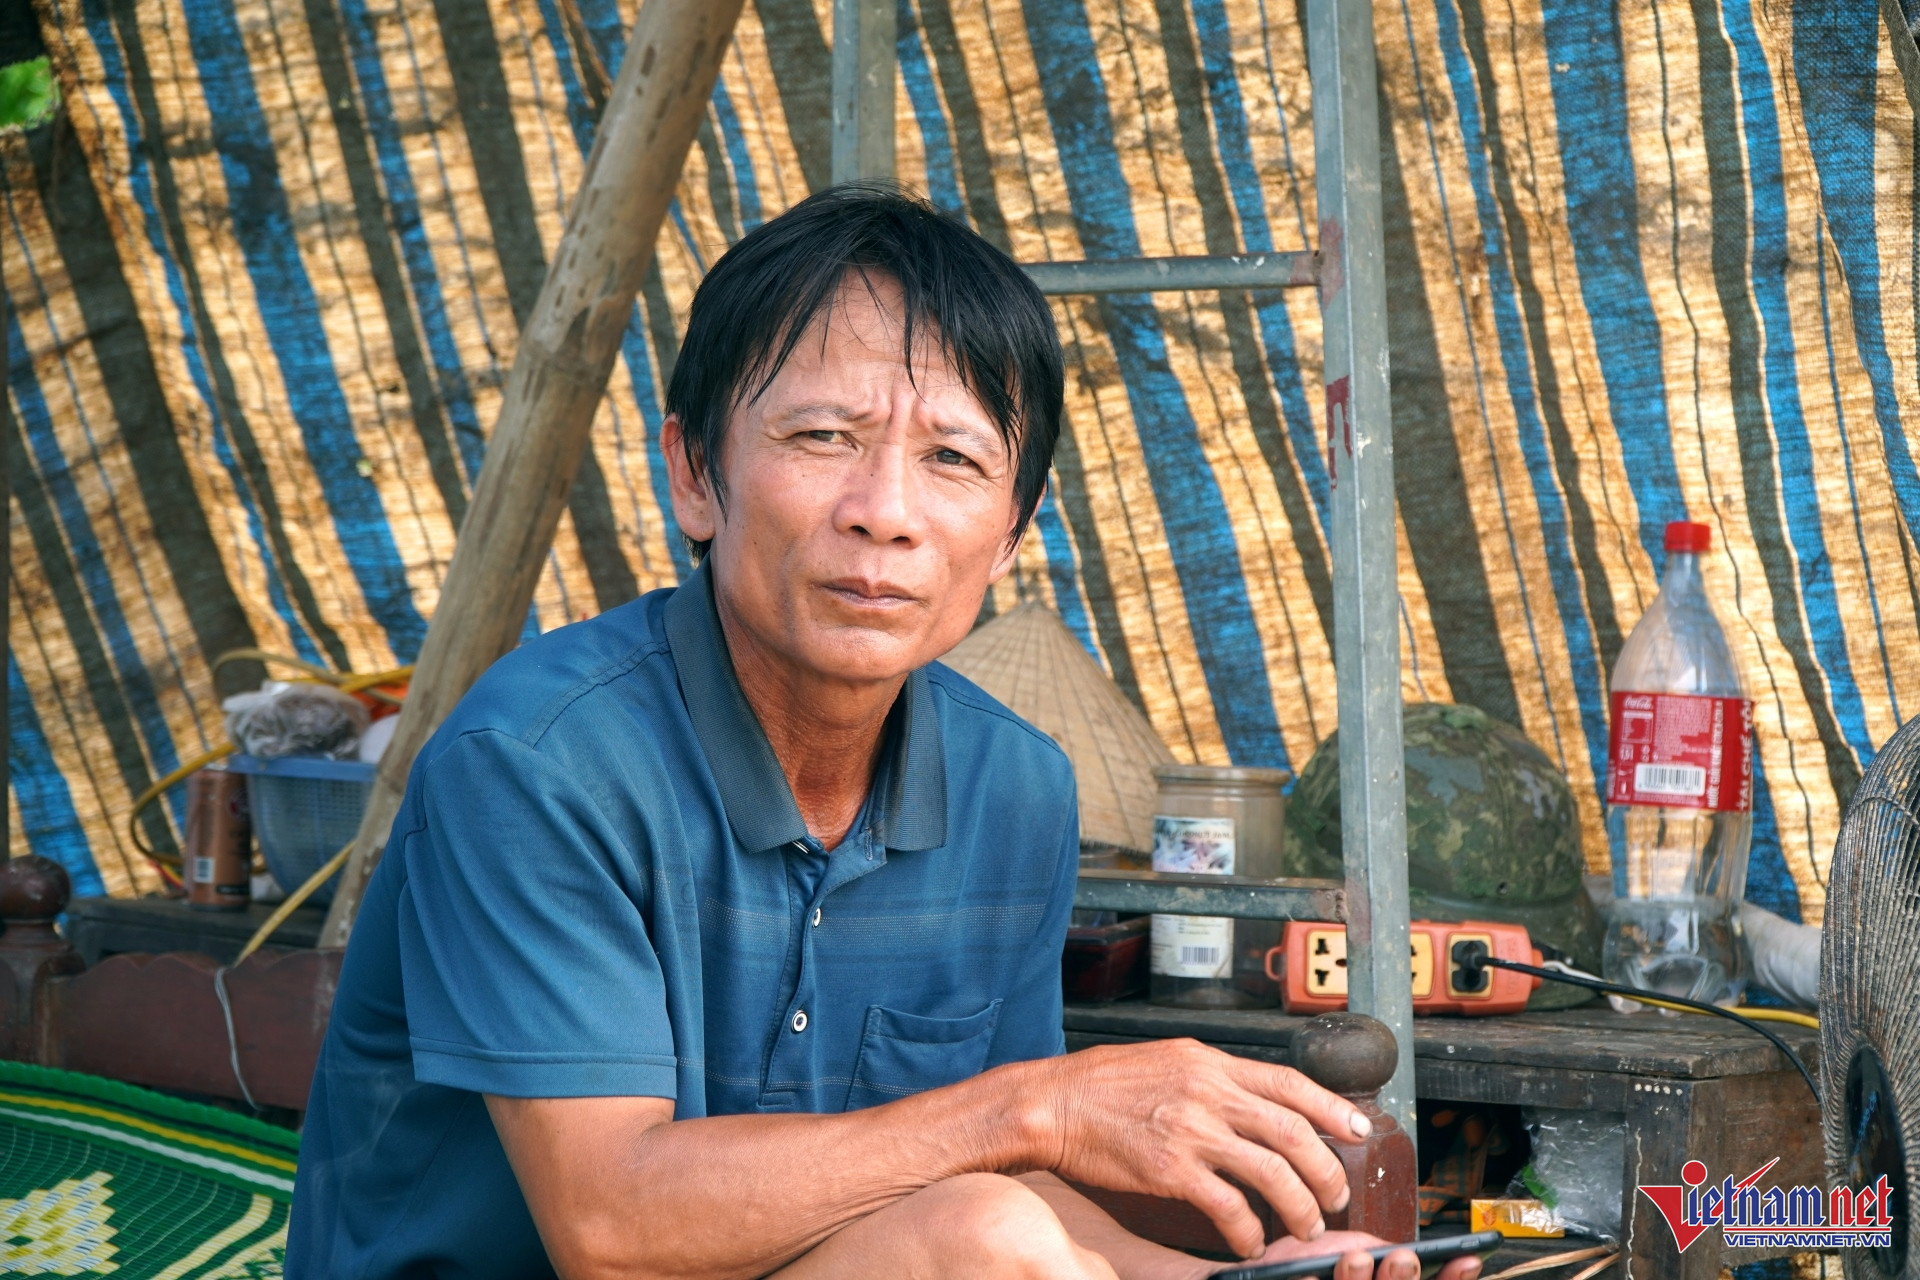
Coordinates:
881	501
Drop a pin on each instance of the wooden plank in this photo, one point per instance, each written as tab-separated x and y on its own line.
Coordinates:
157	1021
1587	1039
560	369
102	927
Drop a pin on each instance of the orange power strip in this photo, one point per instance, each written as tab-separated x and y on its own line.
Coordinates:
1310	964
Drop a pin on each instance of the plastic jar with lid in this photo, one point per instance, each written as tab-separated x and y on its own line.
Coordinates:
1217	821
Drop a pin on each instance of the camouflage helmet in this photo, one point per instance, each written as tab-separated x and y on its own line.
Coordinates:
1492	833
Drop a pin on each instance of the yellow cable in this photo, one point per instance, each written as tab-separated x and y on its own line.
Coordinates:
262	656
1746	1011
1794	1016
152	793
367	684
293	902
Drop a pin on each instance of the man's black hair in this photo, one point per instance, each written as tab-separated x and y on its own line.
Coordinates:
763	294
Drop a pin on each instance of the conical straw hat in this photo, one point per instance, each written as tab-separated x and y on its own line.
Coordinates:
1030	661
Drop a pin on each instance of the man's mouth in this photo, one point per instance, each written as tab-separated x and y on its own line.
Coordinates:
864	594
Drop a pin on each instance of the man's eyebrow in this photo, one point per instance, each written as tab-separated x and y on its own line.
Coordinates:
816	409
969	431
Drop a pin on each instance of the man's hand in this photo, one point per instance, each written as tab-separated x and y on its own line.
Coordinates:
1170	1117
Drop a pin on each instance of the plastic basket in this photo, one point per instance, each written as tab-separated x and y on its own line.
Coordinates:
305	810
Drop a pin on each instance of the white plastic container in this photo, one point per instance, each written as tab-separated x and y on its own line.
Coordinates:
1680	794
1216	821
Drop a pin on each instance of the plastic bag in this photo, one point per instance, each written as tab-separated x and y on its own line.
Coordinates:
295	720
373	743
1578	1167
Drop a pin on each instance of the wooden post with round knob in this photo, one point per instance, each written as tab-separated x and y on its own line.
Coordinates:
33	893
1355	1056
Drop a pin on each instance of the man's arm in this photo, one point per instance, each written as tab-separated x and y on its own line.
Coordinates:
617	1188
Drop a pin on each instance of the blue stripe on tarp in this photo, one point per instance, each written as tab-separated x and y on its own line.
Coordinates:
1769	883
943	184
47	817
1063	571
602	20
1235	150
1767	270
263	228
746	187
1602	203
1589	681
90	563
139	180
85	423
1199	532
1835	47
679	217
403	213
1853	502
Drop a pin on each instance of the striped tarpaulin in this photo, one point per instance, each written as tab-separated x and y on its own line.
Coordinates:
1647	259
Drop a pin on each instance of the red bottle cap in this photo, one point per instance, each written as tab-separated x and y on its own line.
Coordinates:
1684	535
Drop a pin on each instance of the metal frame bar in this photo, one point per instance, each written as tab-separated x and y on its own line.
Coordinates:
1291	270
864	64
1366	588
1241	897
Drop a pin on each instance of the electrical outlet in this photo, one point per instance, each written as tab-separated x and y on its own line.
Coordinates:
1464	983
1311	967
1422	963
1326	963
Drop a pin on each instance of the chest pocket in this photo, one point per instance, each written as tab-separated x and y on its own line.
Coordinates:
905	1053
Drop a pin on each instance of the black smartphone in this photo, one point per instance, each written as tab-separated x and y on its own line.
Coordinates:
1433	1255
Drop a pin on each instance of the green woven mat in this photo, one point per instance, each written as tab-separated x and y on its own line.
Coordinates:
101	1178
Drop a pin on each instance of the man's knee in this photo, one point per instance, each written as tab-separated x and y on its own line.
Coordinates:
990	1225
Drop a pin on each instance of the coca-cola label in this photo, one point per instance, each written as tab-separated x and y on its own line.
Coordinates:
1681	751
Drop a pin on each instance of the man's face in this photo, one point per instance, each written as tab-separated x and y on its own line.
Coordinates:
867	511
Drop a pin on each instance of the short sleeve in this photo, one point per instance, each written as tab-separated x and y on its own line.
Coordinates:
525	959
1030	1025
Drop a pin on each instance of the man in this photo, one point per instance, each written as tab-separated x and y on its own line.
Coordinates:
720	936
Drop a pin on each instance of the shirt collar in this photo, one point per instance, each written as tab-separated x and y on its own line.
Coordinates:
912	806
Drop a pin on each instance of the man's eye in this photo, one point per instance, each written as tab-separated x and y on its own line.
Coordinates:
823	436
951	458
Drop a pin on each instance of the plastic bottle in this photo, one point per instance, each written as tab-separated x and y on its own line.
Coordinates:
1680	793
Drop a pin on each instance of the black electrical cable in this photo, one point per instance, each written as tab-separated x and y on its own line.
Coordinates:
1614	988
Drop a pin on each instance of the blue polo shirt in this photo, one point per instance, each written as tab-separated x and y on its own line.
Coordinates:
599	885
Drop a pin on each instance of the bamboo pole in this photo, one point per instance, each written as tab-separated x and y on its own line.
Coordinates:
567	349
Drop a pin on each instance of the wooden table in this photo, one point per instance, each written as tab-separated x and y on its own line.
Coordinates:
101	927
1690	1088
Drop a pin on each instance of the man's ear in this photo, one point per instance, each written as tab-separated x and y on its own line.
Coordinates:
693	504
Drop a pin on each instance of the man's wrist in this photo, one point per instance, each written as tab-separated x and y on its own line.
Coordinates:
1033	1114
1013	1115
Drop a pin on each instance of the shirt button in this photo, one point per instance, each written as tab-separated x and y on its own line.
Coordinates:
816	917
800	1020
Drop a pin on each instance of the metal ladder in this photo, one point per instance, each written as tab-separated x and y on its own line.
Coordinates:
1349	271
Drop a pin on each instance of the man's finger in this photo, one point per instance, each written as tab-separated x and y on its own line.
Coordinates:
1291	1135
1228	1210
1274	1177
1356	1265
1398	1265
1332	1113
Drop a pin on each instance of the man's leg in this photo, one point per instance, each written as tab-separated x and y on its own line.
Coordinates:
978	1225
